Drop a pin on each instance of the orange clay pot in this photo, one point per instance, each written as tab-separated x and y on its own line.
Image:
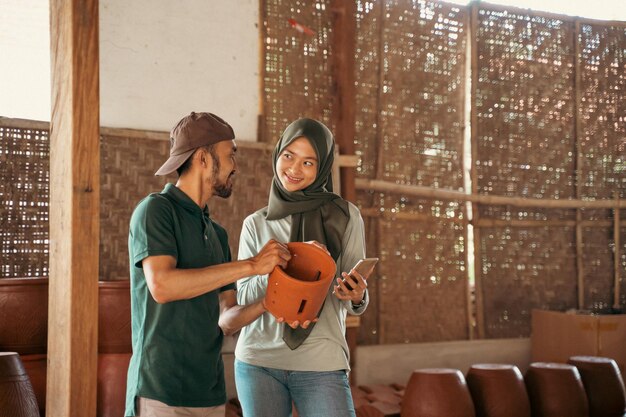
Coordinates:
298	292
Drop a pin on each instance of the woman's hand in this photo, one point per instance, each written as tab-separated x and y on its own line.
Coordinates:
352	287
296	323
318	244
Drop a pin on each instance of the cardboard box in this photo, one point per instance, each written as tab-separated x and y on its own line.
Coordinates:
556	336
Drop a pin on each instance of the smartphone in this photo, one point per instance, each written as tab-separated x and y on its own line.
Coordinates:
363	267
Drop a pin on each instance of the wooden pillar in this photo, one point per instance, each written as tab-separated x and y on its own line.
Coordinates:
580	266
344	32
74	209
478	287
617	267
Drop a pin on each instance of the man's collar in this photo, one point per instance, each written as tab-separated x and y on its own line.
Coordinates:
183	199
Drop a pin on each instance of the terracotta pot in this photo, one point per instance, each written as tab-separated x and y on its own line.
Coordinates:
298	292
114	323
24	315
112	372
555	390
498	391
17	398
36	367
437	392
603	385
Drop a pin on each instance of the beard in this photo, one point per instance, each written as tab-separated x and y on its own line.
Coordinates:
223	189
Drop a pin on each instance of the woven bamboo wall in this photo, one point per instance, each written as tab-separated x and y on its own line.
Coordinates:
297	79
536	77
410	72
128	166
547	122
127	176
24	195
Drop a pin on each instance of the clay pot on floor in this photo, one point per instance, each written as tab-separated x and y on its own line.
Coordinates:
498	391
17	398
603	385
36	367
114	326
298	291
437	392
112	372
24	315
556	390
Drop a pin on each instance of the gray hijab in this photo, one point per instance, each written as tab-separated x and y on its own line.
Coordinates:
317	213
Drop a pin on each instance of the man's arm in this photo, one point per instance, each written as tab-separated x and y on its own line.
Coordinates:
168	283
234	316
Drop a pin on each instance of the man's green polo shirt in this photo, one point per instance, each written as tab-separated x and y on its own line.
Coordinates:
177	345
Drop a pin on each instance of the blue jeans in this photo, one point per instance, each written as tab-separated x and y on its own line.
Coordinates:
268	392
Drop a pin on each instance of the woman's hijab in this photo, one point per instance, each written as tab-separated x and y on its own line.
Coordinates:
317	213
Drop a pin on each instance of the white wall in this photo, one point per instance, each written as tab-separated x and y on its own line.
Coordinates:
25	59
161	59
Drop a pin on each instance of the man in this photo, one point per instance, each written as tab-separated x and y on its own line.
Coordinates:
182	275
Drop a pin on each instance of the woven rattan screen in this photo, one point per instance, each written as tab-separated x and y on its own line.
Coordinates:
127	176
602	67
24	175
525	111
410	64
297	80
128	166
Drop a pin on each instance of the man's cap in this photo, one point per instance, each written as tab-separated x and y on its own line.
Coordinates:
192	132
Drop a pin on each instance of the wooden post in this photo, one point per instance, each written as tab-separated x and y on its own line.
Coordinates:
74	209
478	287
380	167
616	253
580	271
344	32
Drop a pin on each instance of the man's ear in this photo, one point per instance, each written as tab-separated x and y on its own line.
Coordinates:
202	158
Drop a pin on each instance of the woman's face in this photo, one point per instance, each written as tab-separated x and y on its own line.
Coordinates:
297	165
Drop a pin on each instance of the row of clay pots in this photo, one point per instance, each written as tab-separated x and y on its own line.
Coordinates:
24	316
587	387
23	329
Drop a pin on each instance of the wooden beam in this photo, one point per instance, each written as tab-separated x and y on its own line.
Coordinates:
343	45
580	266
446	194
616	256
74	209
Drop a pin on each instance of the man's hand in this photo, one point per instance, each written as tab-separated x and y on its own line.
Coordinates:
272	254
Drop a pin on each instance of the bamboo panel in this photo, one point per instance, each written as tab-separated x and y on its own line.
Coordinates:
128	167
525	269
127	176
422	94
423	293
24	195
409	130
598	270
368	57
369	328
525	107
603	109
297	77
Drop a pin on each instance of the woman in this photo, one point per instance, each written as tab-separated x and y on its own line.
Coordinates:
306	363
